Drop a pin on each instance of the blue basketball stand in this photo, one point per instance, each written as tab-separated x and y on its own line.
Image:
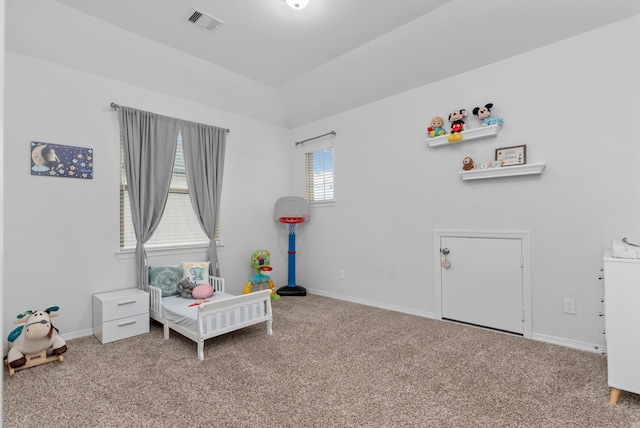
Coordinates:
292	210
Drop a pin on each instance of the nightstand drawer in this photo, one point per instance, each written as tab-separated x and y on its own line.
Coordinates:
120	314
122	328
118	304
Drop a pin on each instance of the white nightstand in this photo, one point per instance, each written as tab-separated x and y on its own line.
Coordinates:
120	314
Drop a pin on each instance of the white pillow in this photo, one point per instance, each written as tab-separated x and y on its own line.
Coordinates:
196	272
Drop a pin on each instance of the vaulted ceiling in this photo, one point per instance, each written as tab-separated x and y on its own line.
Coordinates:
289	67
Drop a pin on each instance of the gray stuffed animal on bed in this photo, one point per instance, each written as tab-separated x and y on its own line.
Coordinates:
185	287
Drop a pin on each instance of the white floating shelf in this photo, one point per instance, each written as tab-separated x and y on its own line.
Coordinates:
467	135
505	171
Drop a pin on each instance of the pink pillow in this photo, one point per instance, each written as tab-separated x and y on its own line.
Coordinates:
202	291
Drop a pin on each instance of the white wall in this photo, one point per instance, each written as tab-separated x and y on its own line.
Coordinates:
61	234
573	104
570	103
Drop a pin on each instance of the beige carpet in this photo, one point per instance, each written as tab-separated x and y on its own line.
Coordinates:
329	364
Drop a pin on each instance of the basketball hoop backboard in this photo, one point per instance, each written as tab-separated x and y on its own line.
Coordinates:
292	207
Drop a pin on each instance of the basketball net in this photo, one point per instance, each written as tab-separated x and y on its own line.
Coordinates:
291	222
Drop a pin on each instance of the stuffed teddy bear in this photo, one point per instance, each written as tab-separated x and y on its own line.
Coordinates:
36	335
467	164
457	124
436	129
484	113
186	287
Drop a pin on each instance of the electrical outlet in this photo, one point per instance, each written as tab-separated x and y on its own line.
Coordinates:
569	306
340	274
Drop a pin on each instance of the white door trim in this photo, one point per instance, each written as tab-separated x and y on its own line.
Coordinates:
526	269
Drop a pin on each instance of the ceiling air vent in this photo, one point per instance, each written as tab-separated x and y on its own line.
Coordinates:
204	20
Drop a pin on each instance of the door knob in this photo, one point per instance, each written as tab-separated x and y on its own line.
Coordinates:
445	251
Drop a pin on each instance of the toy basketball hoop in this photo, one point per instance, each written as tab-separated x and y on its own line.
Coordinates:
291	220
291	211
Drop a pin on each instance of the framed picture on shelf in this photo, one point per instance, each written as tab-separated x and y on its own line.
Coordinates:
510	156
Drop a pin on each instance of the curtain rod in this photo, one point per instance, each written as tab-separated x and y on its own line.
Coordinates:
116	107
313	138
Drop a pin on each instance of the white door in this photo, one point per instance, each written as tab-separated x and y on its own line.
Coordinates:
484	282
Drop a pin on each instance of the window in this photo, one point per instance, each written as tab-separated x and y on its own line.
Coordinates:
319	175
179	225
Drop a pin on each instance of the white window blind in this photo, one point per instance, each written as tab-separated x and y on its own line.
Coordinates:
319	175
179	225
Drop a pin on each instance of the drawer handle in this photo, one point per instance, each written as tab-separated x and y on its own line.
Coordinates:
126	302
129	322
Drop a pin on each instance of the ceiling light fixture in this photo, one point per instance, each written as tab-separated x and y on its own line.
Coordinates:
297	4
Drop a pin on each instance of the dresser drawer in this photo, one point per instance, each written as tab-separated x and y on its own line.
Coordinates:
122	328
118	304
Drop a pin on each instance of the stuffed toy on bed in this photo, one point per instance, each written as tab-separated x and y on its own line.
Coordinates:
202	291
185	287
36	335
189	290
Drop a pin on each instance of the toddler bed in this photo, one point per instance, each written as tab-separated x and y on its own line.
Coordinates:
223	313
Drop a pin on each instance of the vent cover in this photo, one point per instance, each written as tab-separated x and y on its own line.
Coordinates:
204	20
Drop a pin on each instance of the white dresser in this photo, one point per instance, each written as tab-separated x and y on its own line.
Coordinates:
621	308
120	314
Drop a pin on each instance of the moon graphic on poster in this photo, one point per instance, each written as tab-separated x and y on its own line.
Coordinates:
36	155
40	163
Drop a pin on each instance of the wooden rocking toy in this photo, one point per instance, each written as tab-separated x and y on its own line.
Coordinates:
36	342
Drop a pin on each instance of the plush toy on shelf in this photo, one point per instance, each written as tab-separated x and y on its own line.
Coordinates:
457	124
484	114
467	164
35	342
436	129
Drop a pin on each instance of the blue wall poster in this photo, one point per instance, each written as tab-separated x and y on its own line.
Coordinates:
54	160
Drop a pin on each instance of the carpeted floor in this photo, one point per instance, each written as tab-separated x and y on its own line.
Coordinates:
330	363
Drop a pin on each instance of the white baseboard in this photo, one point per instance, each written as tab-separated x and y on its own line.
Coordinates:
77	334
569	343
366	302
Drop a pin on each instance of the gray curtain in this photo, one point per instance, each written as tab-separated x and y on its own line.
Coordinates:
204	148
149	143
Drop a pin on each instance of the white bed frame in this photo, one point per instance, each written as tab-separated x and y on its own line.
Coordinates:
207	312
